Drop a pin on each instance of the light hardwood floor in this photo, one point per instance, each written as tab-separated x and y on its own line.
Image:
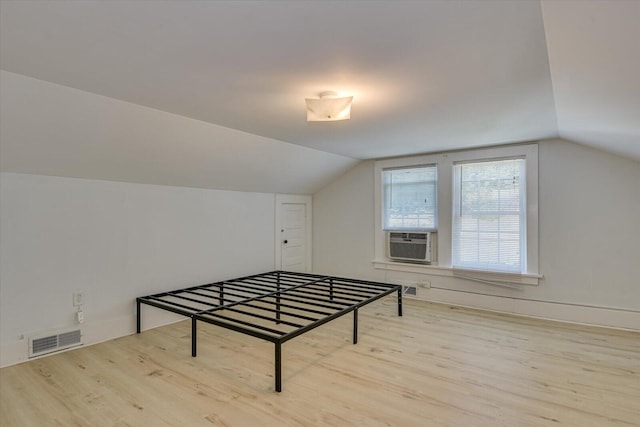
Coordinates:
436	366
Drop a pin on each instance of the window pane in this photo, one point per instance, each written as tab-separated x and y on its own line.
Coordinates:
410	198
489	215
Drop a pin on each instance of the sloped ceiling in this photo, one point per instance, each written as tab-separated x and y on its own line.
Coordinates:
594	52
425	76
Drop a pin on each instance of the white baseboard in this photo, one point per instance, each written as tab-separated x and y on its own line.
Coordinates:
93	332
571	313
14	352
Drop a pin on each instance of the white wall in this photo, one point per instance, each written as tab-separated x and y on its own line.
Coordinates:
116	241
589	205
343	225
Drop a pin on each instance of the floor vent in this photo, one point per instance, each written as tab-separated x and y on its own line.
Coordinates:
47	344
409	290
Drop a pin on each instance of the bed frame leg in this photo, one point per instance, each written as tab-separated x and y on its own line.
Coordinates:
194	338
355	326
400	302
137	316
278	363
278	299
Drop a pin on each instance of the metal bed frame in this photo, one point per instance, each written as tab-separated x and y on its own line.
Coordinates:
275	306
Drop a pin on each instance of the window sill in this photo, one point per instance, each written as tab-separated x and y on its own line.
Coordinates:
489	277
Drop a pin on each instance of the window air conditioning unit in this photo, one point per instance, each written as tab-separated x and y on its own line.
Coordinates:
412	246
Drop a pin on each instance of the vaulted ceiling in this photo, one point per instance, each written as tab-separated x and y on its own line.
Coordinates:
425	75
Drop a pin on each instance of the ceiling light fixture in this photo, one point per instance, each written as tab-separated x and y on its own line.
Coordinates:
329	107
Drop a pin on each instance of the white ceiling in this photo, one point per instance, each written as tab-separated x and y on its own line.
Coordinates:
425	75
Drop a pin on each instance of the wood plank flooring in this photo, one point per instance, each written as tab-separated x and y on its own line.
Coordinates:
436	366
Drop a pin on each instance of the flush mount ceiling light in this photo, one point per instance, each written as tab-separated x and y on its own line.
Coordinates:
328	107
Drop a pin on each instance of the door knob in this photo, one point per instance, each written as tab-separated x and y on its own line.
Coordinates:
285	241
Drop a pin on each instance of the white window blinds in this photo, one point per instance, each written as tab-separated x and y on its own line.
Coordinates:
410	198
489	216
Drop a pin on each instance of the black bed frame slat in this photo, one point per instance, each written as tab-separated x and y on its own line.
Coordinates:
282	312
260	316
188	310
333	295
241	322
265	300
280	293
305	309
276	292
312	297
225	290
176	295
308	302
324	292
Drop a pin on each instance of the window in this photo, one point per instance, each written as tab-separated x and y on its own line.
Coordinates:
489	215
410	198
481	202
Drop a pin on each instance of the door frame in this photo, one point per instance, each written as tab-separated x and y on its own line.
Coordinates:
299	199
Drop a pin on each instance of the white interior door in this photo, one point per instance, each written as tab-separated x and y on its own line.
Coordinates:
293	233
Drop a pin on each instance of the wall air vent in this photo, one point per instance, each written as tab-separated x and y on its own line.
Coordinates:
44	344
409	290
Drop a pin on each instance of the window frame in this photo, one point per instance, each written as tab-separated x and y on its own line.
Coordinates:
521	214
407	229
444	165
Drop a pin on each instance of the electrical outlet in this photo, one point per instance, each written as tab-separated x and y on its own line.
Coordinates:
78	299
